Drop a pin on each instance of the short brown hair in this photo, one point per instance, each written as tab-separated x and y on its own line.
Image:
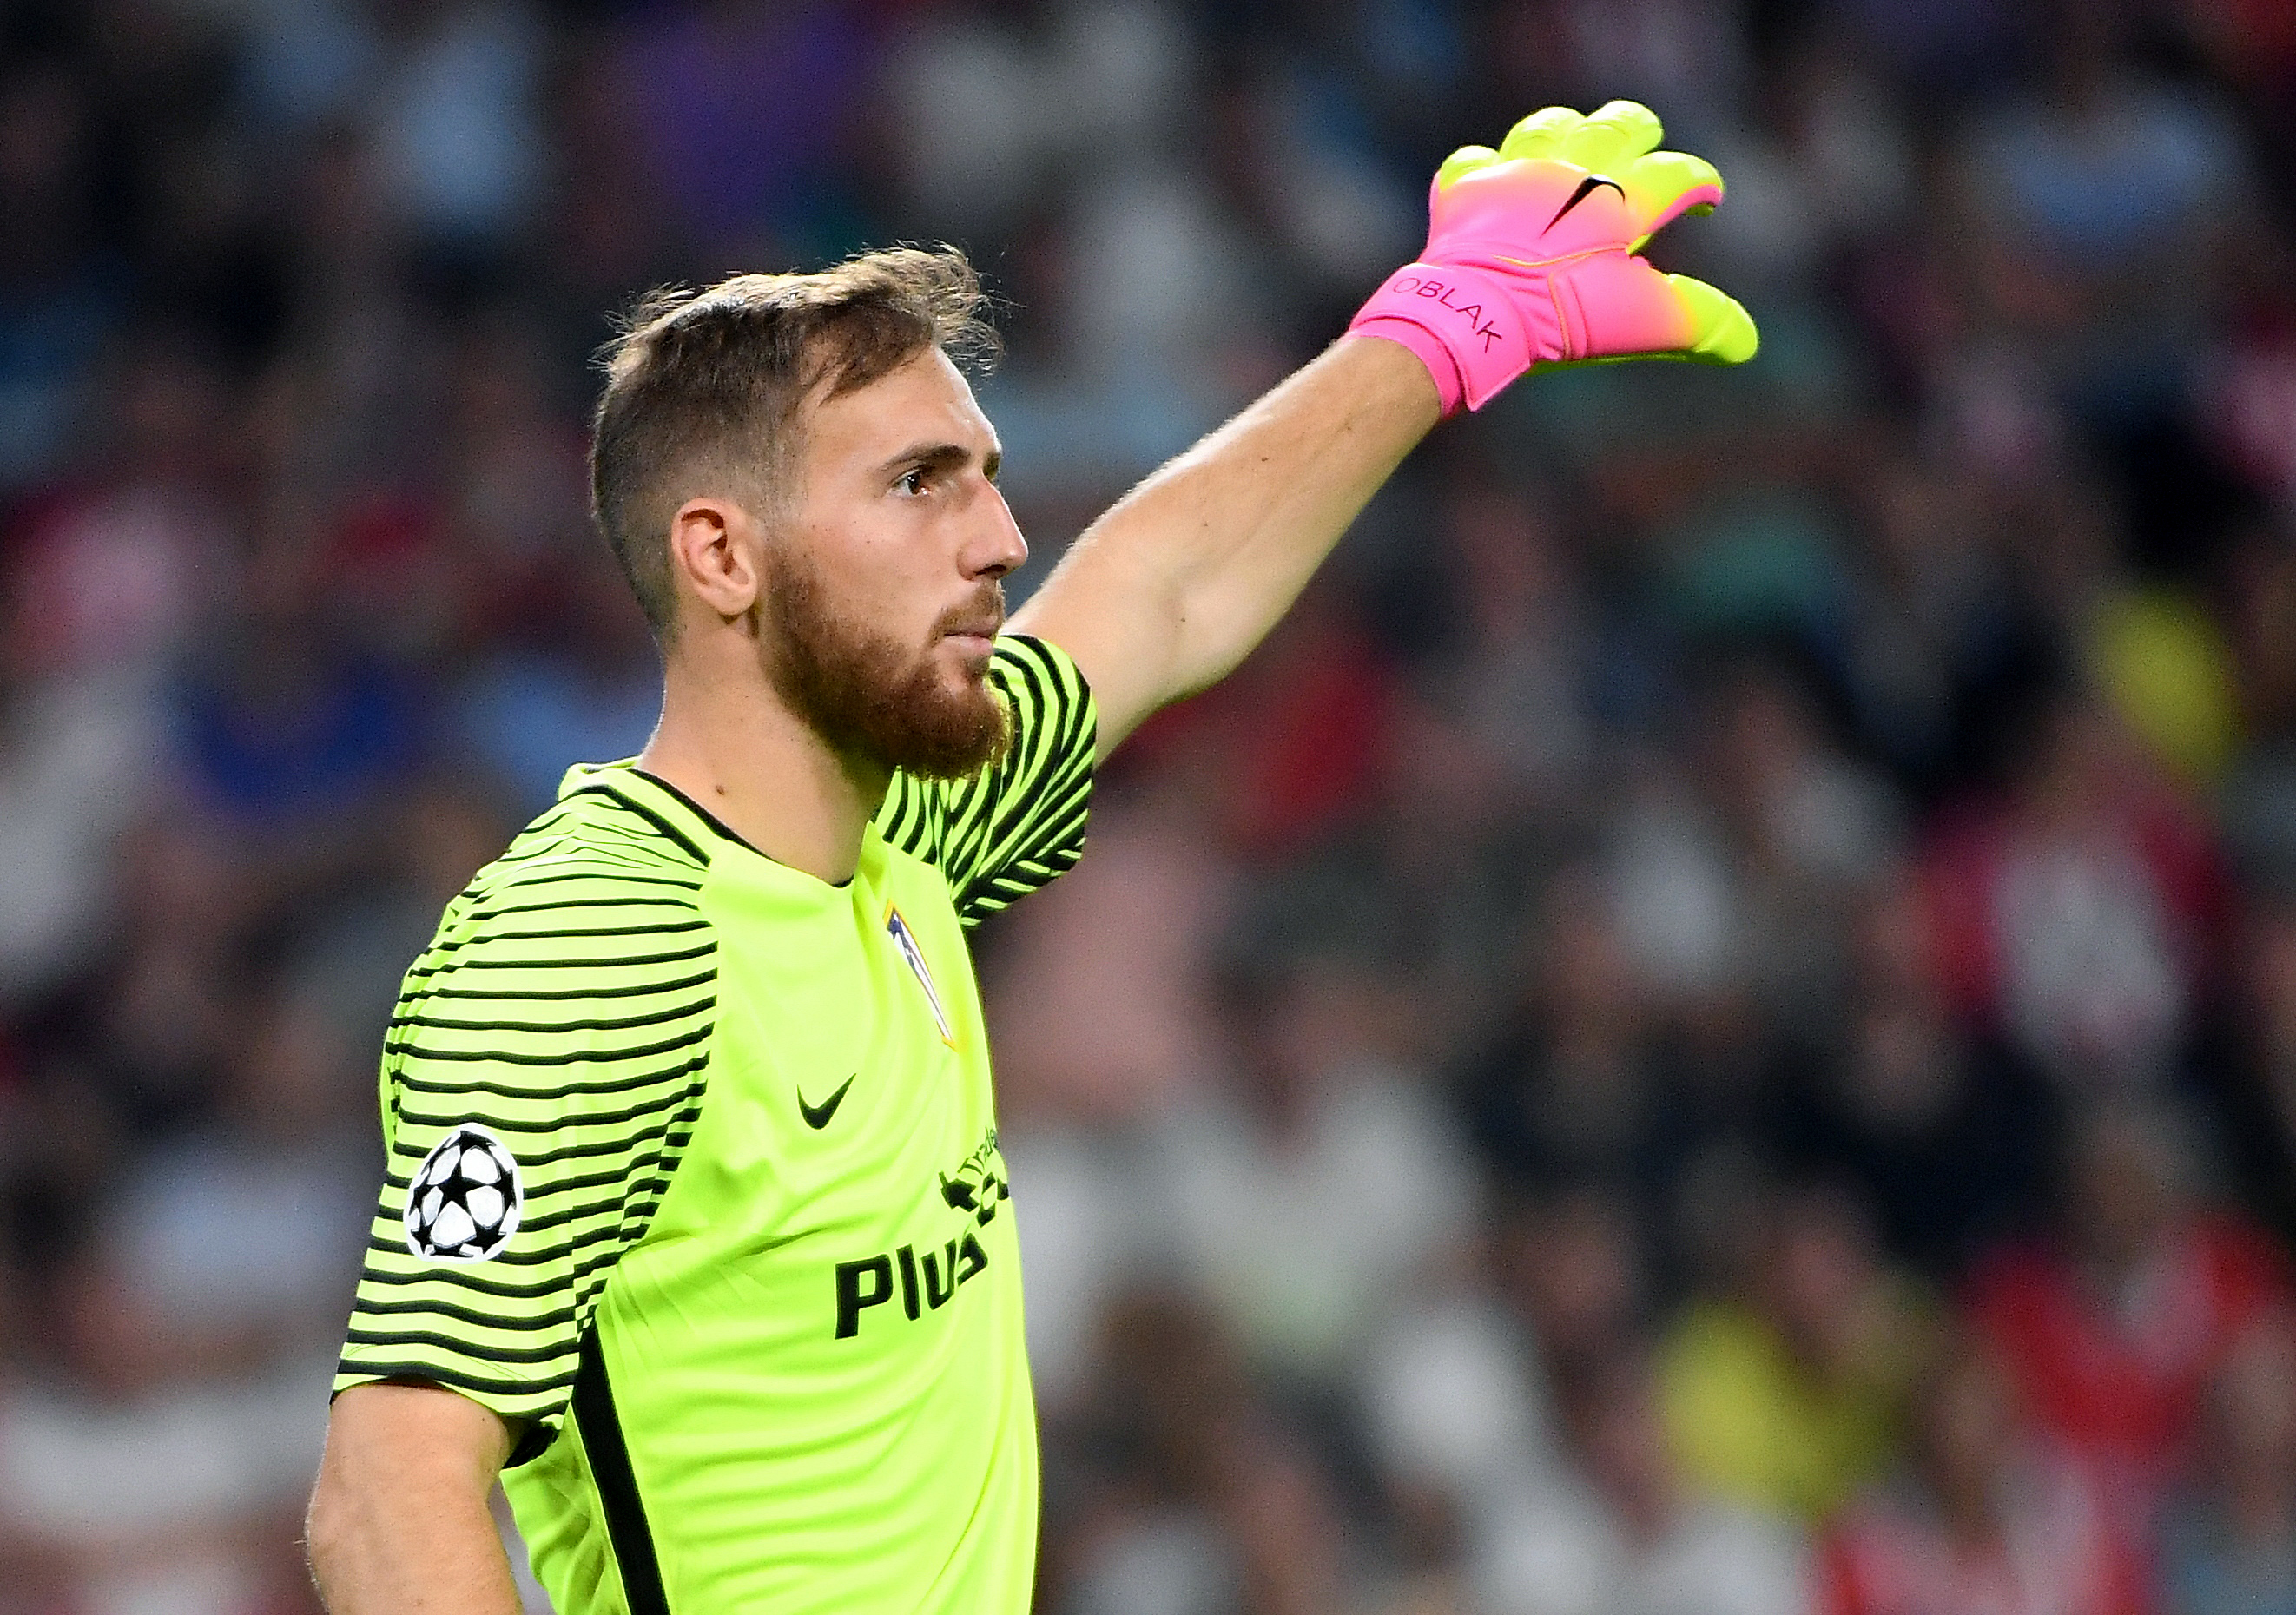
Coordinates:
702	387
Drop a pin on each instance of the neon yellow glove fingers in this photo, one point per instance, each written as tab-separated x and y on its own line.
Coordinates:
1462	162
1540	134
1664	185
1722	332
1613	136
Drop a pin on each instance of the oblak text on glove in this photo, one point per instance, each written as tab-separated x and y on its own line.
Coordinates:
1440	293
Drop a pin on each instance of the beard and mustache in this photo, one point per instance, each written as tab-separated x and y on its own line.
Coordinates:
869	696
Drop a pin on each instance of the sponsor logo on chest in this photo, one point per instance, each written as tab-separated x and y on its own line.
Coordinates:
926	1279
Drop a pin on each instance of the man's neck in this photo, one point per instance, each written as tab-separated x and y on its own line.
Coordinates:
728	741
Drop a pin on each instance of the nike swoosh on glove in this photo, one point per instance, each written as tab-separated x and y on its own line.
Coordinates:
1533	257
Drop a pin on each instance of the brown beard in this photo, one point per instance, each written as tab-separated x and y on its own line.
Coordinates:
868	696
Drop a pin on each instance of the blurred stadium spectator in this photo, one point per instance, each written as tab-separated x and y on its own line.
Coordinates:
2228	1541
1710	1027
2113	1328
1982	1515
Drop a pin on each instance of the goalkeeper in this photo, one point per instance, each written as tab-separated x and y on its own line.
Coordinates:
694	1230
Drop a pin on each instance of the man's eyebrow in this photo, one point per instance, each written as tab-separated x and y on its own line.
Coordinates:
932	457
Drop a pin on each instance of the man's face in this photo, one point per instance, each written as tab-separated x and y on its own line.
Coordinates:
883	601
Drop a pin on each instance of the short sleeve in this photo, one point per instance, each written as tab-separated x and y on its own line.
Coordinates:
543	1071
1019	824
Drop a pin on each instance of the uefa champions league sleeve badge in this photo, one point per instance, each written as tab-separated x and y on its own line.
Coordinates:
466	1200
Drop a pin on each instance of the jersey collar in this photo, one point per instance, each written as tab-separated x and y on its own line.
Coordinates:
697	832
693	827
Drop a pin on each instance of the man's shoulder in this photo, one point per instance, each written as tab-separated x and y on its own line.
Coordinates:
1016	825
603	839
614	819
601	888
1036	675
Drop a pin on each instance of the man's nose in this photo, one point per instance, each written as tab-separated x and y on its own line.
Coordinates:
994	546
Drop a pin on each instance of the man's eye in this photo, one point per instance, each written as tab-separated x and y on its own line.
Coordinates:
914	482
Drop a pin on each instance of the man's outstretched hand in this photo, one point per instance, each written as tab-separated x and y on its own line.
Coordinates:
1532	257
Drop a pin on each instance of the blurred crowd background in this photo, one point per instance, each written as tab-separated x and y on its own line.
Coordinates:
1708	1030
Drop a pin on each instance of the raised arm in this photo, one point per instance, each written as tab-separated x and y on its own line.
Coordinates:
1532	259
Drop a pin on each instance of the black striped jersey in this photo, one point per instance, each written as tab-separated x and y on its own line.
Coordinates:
692	1175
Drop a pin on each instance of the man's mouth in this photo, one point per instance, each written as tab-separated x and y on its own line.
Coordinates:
975	630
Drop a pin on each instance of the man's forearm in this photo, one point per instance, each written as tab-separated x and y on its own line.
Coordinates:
1173	588
398	1522
393	1553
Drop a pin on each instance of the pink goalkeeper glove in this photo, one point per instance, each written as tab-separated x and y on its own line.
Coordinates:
1531	257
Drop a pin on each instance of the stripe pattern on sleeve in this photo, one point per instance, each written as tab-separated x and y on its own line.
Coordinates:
567	1008
1002	833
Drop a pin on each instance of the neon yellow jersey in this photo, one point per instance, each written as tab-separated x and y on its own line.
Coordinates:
693	1171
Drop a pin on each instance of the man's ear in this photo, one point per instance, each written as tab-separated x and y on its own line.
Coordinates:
713	553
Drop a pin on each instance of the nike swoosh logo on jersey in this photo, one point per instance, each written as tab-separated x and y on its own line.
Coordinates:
816	1115
1586	188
